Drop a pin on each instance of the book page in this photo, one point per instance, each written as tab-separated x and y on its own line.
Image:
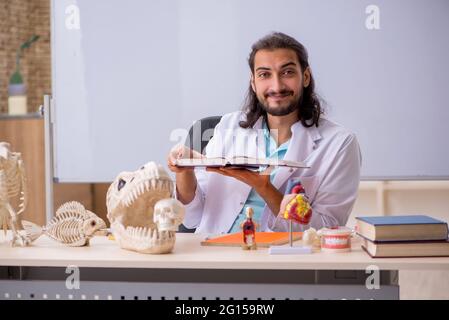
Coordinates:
238	162
203	162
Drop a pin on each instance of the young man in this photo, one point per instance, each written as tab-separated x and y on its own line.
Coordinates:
282	105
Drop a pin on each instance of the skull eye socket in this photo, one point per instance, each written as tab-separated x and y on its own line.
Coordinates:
121	184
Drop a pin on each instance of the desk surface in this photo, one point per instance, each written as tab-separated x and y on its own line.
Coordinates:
189	254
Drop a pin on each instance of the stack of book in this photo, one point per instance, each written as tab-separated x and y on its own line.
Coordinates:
403	236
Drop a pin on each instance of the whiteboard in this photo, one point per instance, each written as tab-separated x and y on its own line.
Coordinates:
130	77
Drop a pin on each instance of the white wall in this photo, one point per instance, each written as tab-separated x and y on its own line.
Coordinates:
130	76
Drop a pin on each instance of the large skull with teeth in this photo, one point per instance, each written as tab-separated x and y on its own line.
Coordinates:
168	214
131	200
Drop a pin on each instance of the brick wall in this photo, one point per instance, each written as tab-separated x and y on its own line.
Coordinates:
19	20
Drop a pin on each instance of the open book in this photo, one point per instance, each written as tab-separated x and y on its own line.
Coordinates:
238	162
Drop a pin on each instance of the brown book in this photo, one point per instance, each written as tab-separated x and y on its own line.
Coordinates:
406	249
401	228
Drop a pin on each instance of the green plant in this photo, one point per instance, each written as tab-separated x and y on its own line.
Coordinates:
16	77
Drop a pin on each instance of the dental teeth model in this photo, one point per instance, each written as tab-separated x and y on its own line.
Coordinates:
12	190
336	239
143	215
72	225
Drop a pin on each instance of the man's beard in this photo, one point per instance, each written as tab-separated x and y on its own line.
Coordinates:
281	111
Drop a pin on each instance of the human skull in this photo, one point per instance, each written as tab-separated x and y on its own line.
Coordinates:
168	214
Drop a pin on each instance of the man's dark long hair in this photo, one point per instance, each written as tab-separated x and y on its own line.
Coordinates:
309	106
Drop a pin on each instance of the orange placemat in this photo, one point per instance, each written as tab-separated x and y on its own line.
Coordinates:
263	239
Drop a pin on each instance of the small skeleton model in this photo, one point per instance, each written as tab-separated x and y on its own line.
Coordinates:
72	225
249	231
143	216
12	191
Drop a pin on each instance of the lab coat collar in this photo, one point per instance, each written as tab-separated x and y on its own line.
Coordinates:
297	129
303	142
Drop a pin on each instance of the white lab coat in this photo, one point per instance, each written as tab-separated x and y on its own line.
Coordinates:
331	183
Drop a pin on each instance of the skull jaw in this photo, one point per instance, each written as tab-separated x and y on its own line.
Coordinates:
149	248
144	240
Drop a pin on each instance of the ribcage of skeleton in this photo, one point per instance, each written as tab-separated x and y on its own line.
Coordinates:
66	228
13	178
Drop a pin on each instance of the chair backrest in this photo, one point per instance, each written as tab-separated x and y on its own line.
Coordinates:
201	132
199	135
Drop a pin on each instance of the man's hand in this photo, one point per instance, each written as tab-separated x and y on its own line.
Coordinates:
260	181
185	177
257	180
181	152
296	207
285	200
